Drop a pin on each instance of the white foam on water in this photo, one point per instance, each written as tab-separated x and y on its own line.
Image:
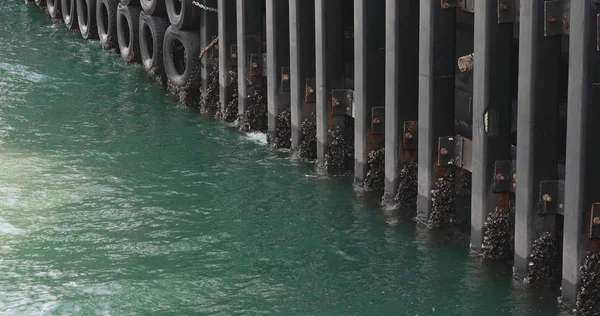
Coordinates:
8	229
257	137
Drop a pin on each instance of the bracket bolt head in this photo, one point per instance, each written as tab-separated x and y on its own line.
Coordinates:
503	6
444	151
596	221
500	177
552	19
254	65
547	198
376	120
408	136
233	55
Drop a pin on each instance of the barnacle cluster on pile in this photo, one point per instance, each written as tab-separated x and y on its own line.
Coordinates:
406	197
308	146
444	197
231	109
463	182
498	235
340	152
209	105
544	262
375	179
588	300
255	118
283	134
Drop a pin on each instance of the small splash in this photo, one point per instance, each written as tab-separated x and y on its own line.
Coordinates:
8	229
257	137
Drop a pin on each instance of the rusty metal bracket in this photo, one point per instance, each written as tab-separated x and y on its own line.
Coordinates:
342	102
454	151
595	222
449	4
285	79
378	120
505	176
410	137
507	11
311	92
552	197
553	18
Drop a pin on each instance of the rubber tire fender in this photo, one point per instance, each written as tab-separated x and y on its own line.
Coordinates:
154	7
152	28
188	18
127	32
54	9
40	3
69	13
86	18
131	3
190	77
106	20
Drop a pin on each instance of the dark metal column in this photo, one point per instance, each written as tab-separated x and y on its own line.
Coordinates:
302	61
492	101
583	137
329	37
227	37
278	56
437	64
539	58
369	75
401	85
208	30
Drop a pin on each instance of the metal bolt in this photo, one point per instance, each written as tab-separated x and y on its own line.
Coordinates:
233	55
310	90
547	198
500	177
285	77
408	136
376	120
336	102
254	65
514	185
561	205
444	151
503	6
596	221
552	19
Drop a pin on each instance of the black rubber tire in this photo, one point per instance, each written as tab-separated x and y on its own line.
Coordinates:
180	51
53	7
127	32
131	3
106	20
40	3
154	7
152	33
69	13
86	18
183	14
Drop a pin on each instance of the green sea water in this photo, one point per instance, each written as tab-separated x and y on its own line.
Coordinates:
116	201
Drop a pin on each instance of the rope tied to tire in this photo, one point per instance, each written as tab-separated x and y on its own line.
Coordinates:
205	50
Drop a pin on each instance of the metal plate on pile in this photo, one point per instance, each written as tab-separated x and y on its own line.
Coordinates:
595	222
410	137
507	11
378	120
504	173
552	197
285	79
311	91
256	65
342	102
553	18
454	151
